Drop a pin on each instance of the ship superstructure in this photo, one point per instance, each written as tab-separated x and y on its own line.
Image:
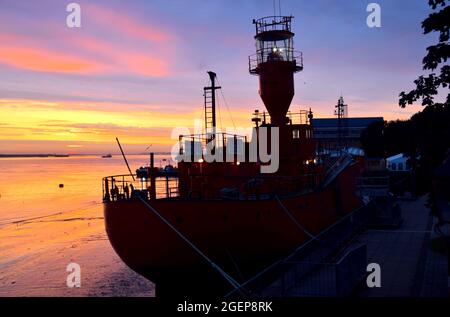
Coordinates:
214	223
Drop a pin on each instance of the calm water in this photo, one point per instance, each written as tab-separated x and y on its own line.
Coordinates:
29	187
44	227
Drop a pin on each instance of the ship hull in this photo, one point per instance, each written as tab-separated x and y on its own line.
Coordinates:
241	236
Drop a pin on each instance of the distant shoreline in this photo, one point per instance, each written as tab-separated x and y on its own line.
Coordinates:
32	155
68	155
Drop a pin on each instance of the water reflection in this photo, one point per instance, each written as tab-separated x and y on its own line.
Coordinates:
43	227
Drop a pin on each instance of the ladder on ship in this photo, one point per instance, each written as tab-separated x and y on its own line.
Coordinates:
210	106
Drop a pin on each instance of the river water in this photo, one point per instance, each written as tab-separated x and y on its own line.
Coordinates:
44	227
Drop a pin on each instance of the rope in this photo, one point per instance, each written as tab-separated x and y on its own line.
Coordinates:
220	115
227	277
226	105
293	219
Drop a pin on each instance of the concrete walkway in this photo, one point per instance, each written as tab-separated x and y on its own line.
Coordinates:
407	264
436	265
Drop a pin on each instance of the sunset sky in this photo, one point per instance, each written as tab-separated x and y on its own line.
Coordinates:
136	69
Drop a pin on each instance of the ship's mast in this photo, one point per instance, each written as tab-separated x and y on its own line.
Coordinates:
210	107
341	112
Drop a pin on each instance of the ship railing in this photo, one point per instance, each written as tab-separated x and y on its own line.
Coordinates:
373	186
295	117
273	23
124	187
338	166
274	54
206	137
373	181
195	144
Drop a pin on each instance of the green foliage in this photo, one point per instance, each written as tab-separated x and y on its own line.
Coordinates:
427	86
425	138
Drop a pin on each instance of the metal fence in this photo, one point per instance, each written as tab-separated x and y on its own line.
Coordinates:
334	279
316	256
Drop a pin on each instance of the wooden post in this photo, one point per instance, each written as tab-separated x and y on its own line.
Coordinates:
235	149
167	187
193	150
152	176
224	148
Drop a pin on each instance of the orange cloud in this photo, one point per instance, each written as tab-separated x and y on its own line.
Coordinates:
123	24
88	54
147	66
105	57
124	60
39	59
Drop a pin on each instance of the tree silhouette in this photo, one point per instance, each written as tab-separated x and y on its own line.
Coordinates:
373	140
427	87
425	137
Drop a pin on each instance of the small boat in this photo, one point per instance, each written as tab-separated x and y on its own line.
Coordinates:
107	156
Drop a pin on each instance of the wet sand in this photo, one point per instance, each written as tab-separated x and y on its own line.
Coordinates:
44	227
35	254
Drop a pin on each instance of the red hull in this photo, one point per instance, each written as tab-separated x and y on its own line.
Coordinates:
241	236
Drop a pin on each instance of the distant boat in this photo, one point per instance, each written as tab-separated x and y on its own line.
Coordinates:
107	156
61	155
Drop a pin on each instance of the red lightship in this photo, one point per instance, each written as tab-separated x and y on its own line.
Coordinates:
212	226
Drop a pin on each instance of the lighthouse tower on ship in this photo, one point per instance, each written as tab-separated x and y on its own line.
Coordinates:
275	63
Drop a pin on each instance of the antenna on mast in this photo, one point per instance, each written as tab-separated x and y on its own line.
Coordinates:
341	112
275	7
124	157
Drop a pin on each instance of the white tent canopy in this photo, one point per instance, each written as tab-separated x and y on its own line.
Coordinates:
398	162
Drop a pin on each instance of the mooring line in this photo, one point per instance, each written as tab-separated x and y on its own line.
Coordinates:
31	220
227	277
294	220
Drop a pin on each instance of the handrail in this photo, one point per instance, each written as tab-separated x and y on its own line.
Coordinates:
220	140
273	23
296	117
206	135
267	54
355	218
125	184
117	176
339	165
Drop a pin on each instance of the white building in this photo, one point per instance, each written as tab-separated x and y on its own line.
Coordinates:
398	163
